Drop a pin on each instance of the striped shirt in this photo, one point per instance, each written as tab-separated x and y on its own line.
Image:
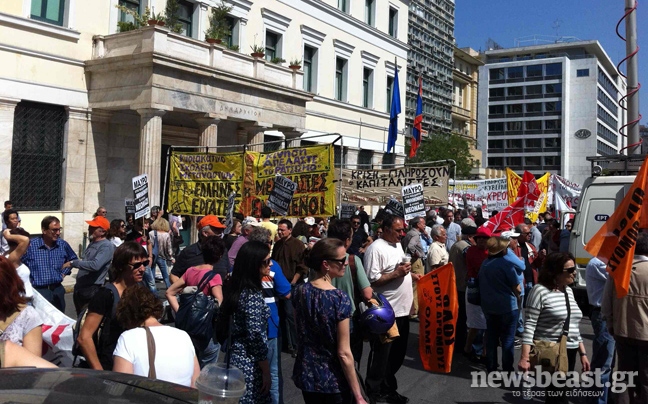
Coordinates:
274	285
545	314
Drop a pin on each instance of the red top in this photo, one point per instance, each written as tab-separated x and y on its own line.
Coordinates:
193	276
474	259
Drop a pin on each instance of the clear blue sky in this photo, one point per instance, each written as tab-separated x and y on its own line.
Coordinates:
506	20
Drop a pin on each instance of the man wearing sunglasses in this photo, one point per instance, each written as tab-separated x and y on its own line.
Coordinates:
45	258
93	269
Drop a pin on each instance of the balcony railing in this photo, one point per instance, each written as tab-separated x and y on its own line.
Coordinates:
461	111
160	41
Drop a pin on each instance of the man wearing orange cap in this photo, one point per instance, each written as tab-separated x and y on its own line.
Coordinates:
93	269
192	256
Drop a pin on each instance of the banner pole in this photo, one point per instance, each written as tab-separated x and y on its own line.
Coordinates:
340	182
166	177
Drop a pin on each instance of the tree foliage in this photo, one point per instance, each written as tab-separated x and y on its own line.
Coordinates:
443	147
172	11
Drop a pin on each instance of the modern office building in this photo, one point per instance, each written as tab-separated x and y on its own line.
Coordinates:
545	108
84	108
431	54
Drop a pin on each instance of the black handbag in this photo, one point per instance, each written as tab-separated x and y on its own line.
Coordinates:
198	311
472	291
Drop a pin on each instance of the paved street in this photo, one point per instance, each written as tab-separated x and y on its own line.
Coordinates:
414	382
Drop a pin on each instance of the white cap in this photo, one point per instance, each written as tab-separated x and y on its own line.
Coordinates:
507	235
310	220
250	220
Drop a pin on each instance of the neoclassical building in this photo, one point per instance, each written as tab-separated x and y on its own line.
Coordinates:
84	108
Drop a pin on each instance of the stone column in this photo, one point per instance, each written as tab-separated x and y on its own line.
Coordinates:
208	132
256	137
150	153
293	137
7	109
241	137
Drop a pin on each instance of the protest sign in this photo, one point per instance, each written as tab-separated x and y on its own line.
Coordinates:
347	210
200	183
514	181
141	191
438	309
229	218
394	207
281	194
566	193
378	186
129	206
492	192
413	203
615	242
311	168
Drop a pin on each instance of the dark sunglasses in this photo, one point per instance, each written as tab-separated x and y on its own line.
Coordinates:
342	261
266	263
570	270
139	264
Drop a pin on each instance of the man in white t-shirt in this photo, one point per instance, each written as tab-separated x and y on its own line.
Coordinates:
391	278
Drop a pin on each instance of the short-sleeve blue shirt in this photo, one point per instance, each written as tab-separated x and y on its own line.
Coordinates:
497	278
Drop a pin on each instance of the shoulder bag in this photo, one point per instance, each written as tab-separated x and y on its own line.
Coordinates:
552	356
197	311
150	343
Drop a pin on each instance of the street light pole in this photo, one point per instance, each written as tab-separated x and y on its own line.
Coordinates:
632	100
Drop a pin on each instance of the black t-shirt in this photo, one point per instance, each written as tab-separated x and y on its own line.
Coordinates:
359	238
528	270
102	303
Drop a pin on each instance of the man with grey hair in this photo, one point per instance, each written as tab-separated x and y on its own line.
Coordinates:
247	225
412	245
274	285
438	253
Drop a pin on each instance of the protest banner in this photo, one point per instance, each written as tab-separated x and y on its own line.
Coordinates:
615	242
566	193
141	191
438	309
200	183
311	168
347	210
129	206
394	207
281	194
493	192
229	218
370	186
514	181
413	203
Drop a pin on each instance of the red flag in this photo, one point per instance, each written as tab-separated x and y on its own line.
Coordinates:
507	218
529	191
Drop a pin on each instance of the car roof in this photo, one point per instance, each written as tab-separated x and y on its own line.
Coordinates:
84	386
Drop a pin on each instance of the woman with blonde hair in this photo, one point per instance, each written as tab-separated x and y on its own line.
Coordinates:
160	240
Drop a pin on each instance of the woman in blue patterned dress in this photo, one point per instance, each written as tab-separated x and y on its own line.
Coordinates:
243	300
324	369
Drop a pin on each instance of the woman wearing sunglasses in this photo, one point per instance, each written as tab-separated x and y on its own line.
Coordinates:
243	302
324	369
547	310
128	265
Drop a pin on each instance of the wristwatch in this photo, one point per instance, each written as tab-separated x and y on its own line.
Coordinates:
583	353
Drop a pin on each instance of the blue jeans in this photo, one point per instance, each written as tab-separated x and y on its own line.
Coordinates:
206	350
603	353
500	327
55	295
149	280
274	354
162	264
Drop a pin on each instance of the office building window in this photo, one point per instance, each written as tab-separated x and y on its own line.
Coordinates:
604	149
553	69
393	22
553	106
496	109
495	162
553	88
50	11
553	124
534	107
534	71
133	5
533	143
514	109
370	12
534	90
367	88
390	92
344	5
495	144
532	161
513	144
231	39
515	161
364	159
309	76
271	46
514	91
514	126
340	79
533	125
496	74
496	126
37	156
552	161
552	142
185	17
582	73
496	92
515	72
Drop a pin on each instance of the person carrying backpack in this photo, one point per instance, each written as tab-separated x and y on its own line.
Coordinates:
98	328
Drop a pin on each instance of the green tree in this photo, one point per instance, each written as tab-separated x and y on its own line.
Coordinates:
172	12
443	147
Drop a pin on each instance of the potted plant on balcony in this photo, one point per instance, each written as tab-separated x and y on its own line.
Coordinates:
277	61
258	51
295	64
155	19
172	19
138	20
219	28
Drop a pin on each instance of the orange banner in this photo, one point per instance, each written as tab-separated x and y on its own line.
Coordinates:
438	307
615	241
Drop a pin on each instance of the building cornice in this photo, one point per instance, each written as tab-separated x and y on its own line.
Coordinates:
240	8
343	49
312	36
39	27
369	60
275	21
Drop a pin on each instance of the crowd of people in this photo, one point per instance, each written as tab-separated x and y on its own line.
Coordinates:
298	287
